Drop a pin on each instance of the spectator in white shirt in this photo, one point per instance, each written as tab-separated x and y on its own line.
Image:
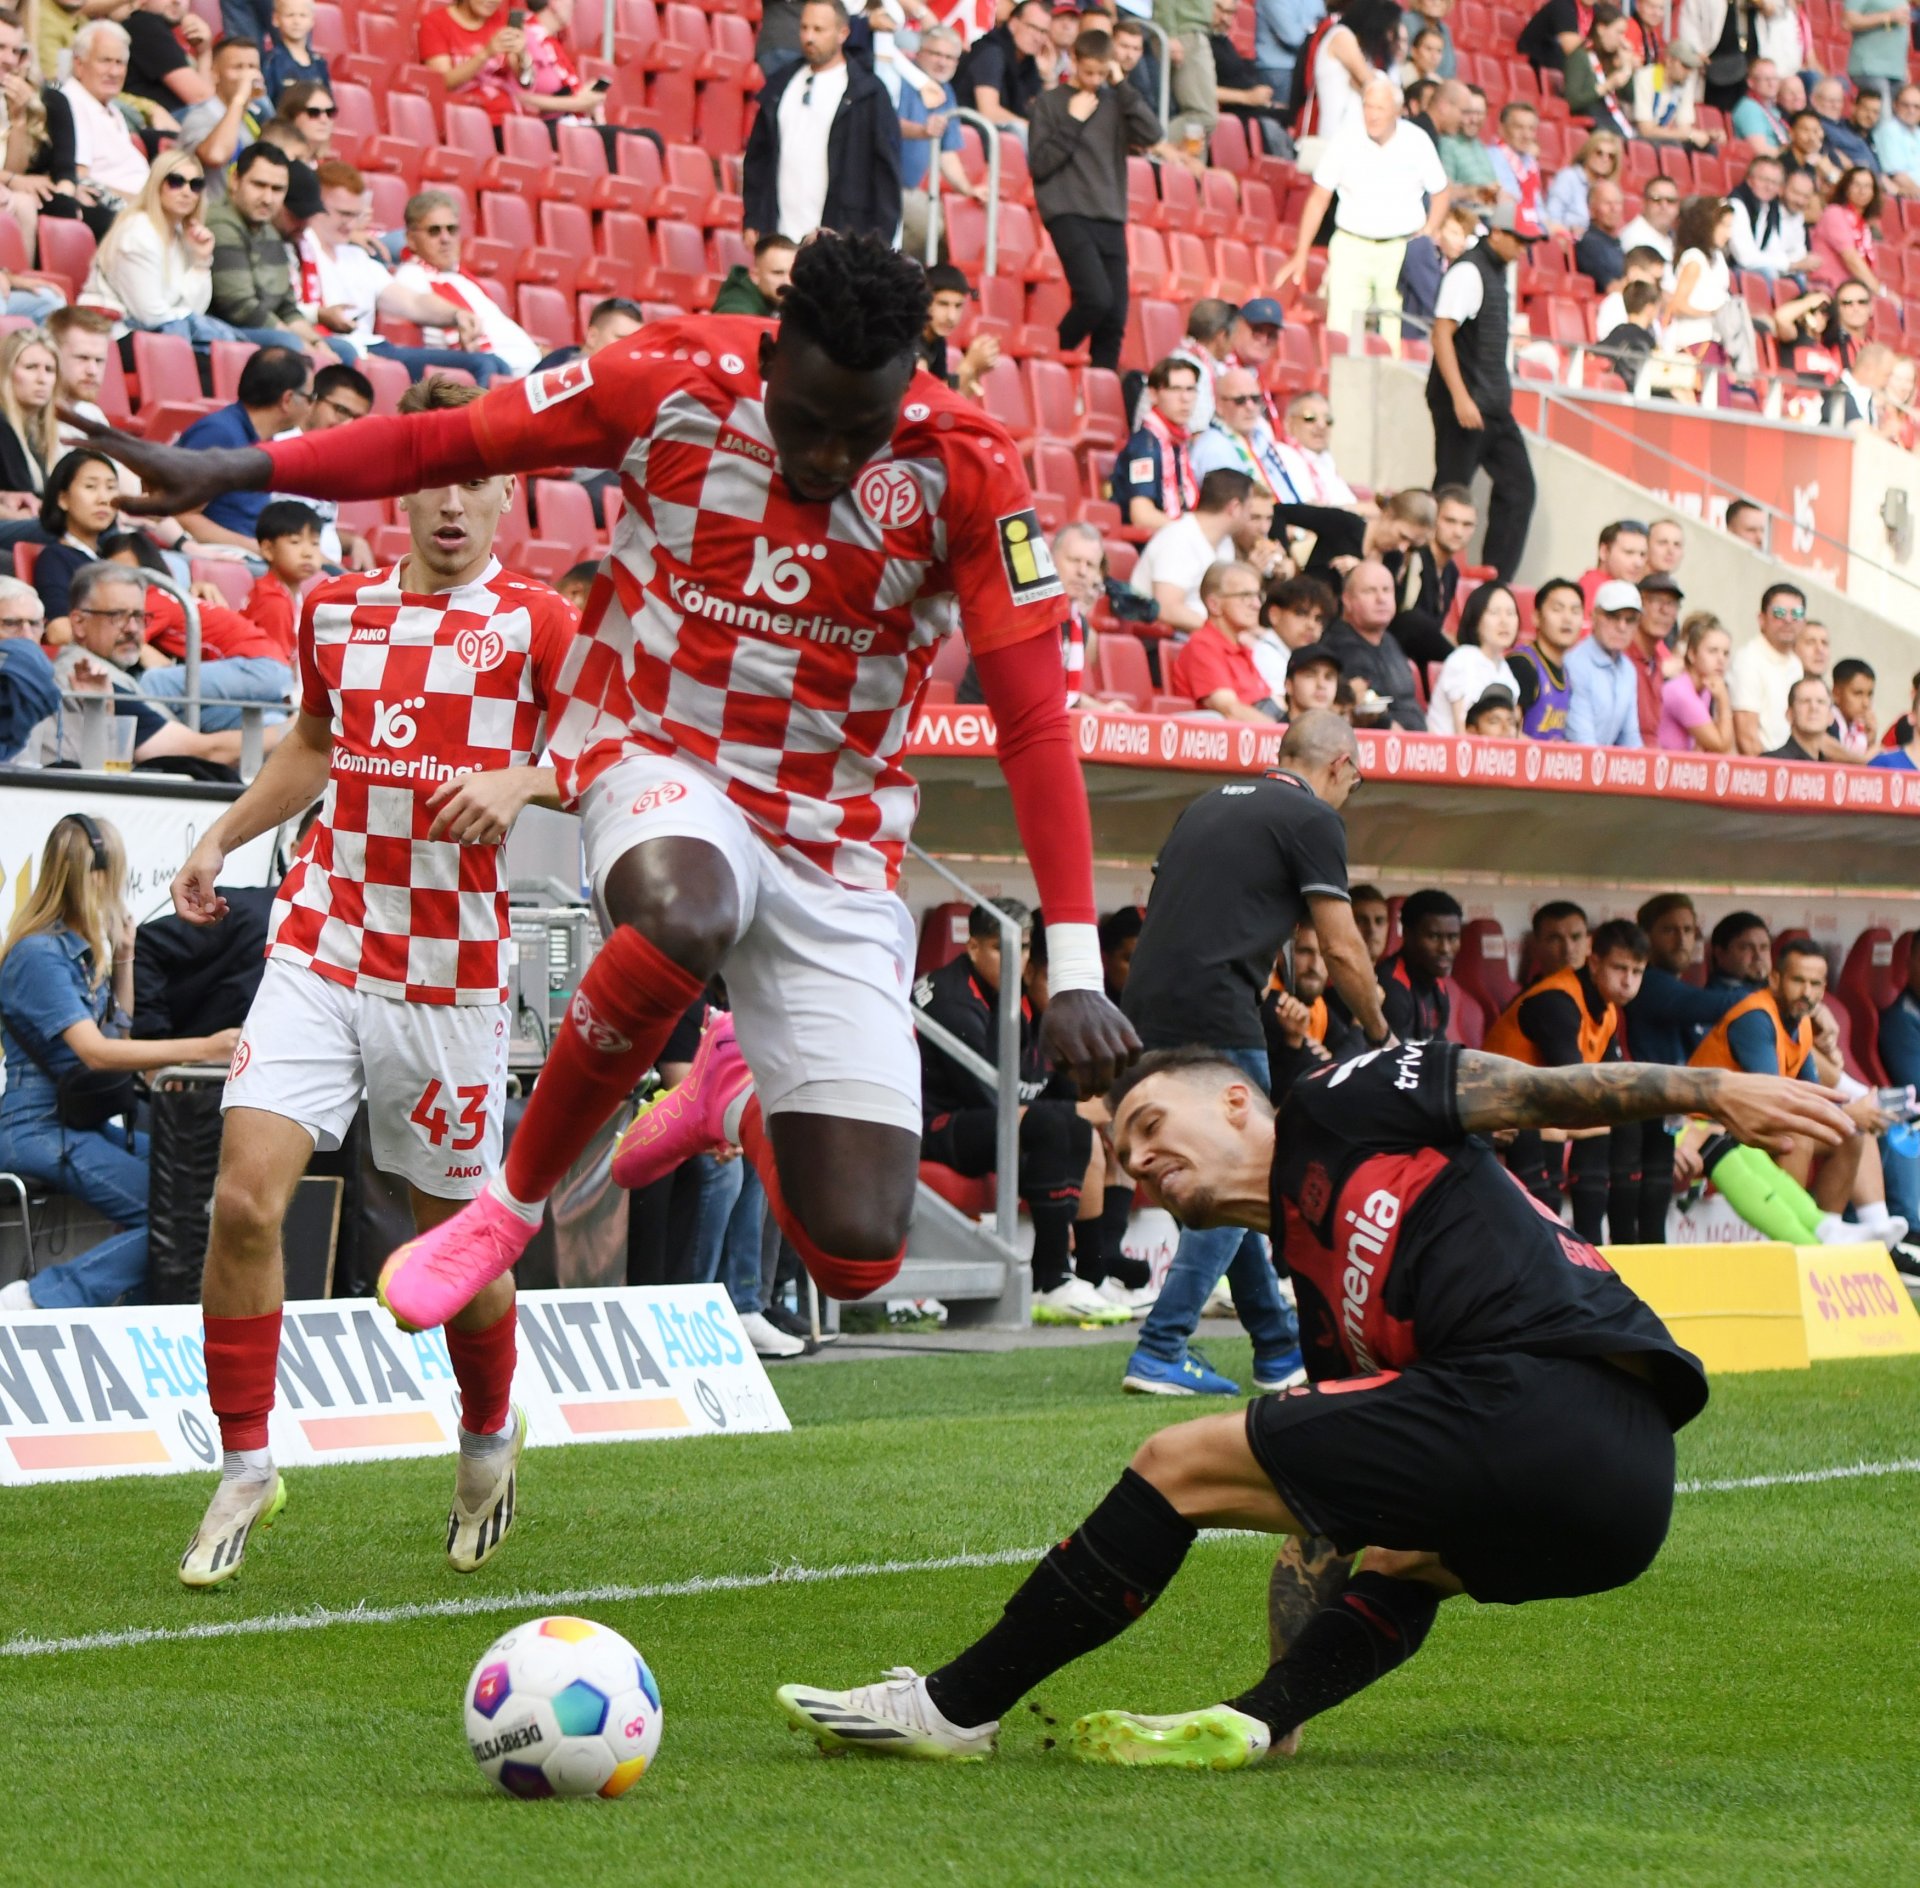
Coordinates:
1489	627
106	154
1391	188
156	266
1762	672
432	266
1179	554
345	289
1653	227
1643	265
1306	459
1768	239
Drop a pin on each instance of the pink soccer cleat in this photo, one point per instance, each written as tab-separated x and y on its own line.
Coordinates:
686	1120
431	1278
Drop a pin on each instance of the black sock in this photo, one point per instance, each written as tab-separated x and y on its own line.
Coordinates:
1052	1230
1373	1626
1090	1249
1088	1590
1135	1274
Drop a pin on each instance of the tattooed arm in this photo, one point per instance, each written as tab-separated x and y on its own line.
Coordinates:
1759	1110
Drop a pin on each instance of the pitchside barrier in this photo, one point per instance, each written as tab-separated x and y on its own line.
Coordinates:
89	1393
1763	1306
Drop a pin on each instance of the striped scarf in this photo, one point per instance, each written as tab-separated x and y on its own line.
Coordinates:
1179	489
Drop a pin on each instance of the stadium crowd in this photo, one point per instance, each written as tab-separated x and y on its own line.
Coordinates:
235	229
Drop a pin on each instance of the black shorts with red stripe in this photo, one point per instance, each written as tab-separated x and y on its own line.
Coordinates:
1532	1477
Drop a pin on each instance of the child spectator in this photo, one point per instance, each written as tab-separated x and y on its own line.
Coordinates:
289	535
1854	725
1495	715
1630	344
293	58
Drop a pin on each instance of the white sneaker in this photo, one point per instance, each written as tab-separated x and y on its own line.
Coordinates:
219	1544
894	1718
1219	1303
766	1341
1077	1302
485	1486
1136	1304
17	1296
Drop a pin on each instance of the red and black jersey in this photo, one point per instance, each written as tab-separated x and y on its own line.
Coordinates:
1416	1011
955	997
1413	1243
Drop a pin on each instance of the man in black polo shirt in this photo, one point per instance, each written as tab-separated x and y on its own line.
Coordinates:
1809	717
1000	76
1413	978
1241	868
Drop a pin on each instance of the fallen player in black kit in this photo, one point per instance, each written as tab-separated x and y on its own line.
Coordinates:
1490	1410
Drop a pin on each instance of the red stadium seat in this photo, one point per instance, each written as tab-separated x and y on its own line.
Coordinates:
1467	1018
230	579
389	378
169	379
544	312
1865	986
564	514
1481	966
1121	672
66	252
229	357
1056	483
1005	398
943	932
681	272
1103	422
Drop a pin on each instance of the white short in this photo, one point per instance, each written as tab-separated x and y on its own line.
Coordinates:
818	976
434	1075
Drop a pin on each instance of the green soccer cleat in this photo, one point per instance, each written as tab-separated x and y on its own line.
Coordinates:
1218	1738
895	1718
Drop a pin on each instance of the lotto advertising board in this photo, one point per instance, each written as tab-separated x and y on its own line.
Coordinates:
85	1394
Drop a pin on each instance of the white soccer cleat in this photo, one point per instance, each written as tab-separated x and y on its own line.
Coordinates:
219	1544
484	1488
1077	1302
895	1718
1135	1303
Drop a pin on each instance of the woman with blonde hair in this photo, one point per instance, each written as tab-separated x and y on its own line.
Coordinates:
1602	156
66	994
29	424
156	265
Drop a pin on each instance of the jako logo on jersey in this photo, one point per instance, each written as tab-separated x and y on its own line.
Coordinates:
778	572
890	495
1372	1228
368	632
665	794
480	648
558	383
600	1036
465	1173
393	724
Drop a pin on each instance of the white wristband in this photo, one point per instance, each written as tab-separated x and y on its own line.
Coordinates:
1073	958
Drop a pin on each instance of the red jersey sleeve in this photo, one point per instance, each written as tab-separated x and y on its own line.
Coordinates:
585	412
555	624
315	696
270	606
1003	572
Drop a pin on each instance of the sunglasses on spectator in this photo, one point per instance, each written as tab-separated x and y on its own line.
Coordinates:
319	111
1240	399
1316	419
1662	200
195	184
1856	301
439	229
1787	612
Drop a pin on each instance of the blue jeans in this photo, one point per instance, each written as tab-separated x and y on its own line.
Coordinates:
719	1190
1200	1262
740	1268
230	678
485	368
1902	1173
97	1168
204	330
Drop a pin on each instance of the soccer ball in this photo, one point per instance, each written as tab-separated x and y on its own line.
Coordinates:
562	1707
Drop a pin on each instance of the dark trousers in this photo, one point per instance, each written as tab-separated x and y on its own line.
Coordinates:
1093	257
1501	448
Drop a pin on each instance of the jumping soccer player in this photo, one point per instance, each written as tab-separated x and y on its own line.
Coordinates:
806	519
422	690
1491	1410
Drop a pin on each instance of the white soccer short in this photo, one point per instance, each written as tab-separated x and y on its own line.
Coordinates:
434	1075
818	976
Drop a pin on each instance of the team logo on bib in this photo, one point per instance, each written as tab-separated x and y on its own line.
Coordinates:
665	794
890	496
601	1036
242	1055
480	648
558	383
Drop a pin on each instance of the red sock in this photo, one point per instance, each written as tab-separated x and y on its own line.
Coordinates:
483	1367
838	1278
242	1356
617	1024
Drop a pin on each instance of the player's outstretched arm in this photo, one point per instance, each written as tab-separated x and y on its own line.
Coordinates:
175	478
293	777
1764	1111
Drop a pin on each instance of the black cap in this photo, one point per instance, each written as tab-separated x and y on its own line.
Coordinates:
944	278
1494	695
303	191
1314	652
1662	581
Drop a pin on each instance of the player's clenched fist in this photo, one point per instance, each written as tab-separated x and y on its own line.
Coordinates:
477	809
195	886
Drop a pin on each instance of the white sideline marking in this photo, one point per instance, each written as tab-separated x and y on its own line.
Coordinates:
320	1618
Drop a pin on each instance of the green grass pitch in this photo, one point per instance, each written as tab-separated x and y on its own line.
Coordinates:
1749	1713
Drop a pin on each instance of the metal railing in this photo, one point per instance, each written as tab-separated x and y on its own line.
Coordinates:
990	139
1002	1083
1166	65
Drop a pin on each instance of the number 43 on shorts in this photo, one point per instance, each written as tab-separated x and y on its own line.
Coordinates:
428	1113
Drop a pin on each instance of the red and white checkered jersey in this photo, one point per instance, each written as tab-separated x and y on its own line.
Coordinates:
776	643
419	689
